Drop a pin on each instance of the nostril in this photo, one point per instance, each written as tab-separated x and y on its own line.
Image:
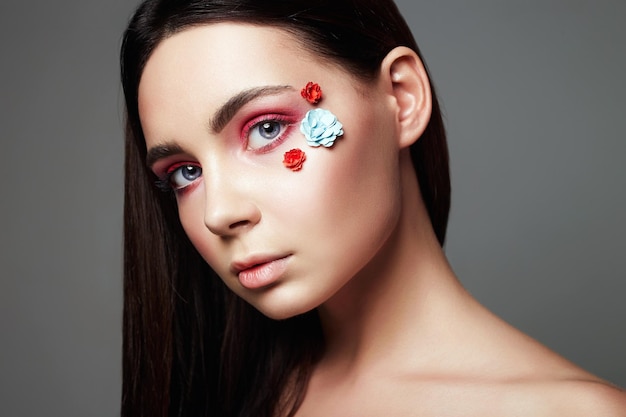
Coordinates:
239	224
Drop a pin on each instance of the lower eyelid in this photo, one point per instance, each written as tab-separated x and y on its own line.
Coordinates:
186	189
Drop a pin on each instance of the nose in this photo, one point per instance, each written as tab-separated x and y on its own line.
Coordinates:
229	209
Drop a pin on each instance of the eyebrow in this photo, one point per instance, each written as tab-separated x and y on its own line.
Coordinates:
162	151
235	103
222	116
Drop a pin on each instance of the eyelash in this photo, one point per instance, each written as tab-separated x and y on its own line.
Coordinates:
284	121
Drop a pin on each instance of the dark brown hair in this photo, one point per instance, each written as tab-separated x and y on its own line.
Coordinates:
191	347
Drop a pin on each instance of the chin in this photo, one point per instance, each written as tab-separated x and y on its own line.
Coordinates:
280	305
282	312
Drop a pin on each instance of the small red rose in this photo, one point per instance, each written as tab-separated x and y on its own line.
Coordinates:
294	159
312	92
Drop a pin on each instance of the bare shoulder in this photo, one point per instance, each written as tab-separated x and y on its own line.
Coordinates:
592	398
538	382
571	397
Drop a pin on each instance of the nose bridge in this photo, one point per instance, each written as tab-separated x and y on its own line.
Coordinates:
229	207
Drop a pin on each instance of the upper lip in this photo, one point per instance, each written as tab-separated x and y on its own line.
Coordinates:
251	261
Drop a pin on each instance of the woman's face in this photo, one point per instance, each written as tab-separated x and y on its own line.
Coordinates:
220	105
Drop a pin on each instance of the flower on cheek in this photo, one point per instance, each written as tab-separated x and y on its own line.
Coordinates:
321	127
294	159
312	92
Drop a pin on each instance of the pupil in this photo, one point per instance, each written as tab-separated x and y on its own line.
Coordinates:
269	130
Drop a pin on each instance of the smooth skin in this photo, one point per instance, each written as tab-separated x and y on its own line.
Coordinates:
350	230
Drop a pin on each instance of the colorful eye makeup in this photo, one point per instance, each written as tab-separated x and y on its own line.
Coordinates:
266	132
263	133
260	135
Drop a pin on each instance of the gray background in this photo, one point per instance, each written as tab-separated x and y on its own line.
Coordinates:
534	98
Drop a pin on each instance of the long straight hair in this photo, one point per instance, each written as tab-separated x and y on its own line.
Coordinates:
191	347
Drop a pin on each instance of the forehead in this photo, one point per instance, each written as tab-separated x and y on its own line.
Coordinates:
232	56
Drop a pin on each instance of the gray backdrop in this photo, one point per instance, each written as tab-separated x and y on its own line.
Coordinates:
534	97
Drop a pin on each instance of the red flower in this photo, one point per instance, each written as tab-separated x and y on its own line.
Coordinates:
294	159
312	92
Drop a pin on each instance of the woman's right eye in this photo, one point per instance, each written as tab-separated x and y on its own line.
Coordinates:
183	175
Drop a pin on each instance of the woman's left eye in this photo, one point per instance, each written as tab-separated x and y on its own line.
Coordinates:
266	134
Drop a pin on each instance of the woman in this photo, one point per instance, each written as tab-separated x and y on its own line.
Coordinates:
294	265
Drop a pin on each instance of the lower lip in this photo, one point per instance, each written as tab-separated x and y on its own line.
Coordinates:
262	275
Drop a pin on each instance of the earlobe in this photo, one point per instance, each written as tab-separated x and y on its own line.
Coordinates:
410	92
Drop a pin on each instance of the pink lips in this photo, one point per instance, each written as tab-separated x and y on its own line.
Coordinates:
257	273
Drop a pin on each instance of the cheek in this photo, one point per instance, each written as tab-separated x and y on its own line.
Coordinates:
352	189
191	215
365	169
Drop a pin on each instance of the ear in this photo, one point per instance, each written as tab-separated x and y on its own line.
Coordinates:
409	89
